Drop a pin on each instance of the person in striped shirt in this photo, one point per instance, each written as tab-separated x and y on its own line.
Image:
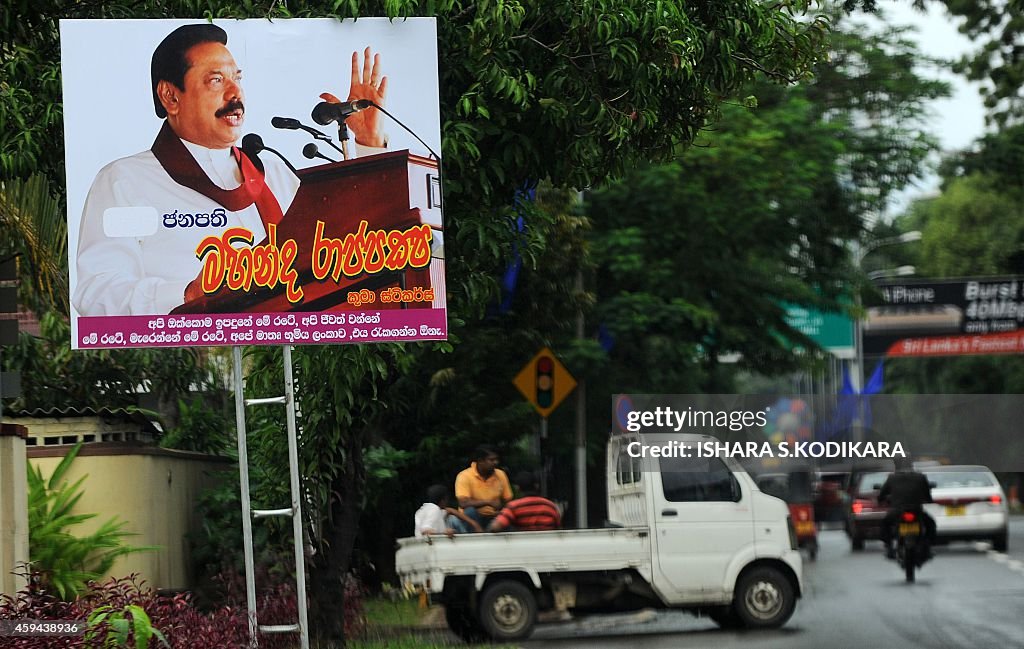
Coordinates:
528	513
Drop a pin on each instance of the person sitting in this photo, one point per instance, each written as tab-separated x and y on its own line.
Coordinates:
435	516
483	488
905	490
530	512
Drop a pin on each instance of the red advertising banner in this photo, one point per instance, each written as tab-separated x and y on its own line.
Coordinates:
249	182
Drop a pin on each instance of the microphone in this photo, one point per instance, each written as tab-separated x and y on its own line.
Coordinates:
289	123
292	124
311	151
252	145
326	112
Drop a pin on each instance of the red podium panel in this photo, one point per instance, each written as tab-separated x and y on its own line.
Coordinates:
390	191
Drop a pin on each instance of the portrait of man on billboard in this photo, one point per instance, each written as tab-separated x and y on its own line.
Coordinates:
193	167
208	210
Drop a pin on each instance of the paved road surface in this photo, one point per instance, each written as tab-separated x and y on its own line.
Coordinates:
968	597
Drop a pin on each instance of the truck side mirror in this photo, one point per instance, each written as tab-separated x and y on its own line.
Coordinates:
737	493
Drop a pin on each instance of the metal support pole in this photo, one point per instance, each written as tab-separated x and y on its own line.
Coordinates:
858	373
581	422
293	461
243	478
542	435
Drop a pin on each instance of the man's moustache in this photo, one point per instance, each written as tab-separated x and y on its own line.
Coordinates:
230	108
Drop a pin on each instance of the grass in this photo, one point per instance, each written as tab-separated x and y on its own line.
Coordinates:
384	612
402	624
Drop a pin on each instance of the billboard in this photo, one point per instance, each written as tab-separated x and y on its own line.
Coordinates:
249	182
974	315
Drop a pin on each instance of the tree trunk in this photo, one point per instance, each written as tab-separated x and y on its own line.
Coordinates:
331	565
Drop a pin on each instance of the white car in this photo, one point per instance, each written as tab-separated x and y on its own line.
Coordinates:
969	505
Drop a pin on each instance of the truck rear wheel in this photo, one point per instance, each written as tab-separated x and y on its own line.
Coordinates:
508	610
764	598
463	623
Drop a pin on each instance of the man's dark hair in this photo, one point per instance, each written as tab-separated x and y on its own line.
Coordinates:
437	493
170	62
482	452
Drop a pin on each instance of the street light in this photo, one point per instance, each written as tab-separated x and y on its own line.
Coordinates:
858	258
862	251
899	271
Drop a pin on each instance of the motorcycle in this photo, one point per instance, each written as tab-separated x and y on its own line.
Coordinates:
912	547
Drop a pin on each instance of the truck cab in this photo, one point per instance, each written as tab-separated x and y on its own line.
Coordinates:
708	519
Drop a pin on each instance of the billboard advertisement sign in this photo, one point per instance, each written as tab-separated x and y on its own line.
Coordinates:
249	182
968	316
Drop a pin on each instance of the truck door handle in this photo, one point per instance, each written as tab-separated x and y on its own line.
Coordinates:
668	512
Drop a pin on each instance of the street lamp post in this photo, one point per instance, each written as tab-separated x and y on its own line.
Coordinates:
858	259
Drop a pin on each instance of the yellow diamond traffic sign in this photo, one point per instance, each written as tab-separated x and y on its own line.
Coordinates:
544	382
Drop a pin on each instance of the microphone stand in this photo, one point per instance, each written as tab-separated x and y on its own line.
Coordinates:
409	130
343	138
344	144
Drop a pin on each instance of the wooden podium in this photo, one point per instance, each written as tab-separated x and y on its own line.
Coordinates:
390	191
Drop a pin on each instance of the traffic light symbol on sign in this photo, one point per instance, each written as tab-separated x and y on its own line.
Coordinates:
545	382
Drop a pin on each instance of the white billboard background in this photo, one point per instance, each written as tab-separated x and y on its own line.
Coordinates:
286	64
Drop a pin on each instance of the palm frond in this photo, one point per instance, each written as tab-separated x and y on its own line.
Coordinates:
31	213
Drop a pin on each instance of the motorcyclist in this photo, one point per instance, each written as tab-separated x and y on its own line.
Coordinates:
905	489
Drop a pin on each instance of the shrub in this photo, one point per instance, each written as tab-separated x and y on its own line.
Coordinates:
64	562
181	623
118	624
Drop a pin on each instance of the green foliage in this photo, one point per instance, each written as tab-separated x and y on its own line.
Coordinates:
116	626
39	235
997	27
67	562
871	90
999	156
54	376
696	257
203	428
973	228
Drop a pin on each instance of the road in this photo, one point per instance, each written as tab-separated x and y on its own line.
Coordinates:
968	597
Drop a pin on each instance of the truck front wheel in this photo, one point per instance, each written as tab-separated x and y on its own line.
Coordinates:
508	610
764	598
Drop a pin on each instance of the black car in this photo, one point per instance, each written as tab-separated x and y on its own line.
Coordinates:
865	515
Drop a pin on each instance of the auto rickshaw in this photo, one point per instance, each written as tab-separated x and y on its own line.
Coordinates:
794	487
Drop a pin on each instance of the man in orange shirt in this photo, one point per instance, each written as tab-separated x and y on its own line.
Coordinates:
483	488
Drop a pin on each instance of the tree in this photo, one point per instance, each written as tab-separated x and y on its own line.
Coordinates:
38	236
973	227
699	256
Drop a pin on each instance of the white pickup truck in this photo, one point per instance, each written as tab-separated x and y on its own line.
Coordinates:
685	533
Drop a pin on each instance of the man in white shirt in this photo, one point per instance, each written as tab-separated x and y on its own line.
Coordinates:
193	183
